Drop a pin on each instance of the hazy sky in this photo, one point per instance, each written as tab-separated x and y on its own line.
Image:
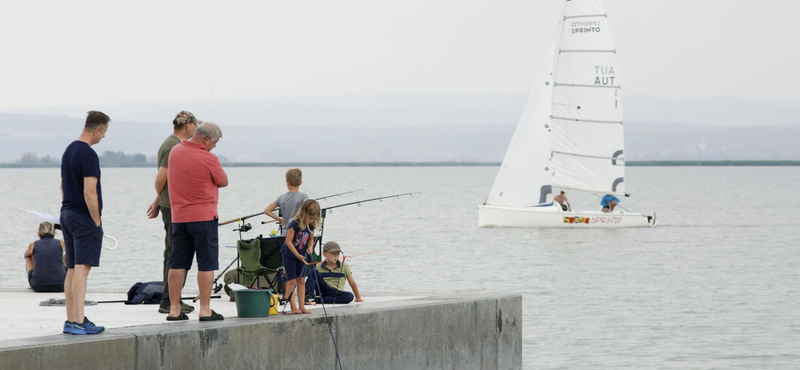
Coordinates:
65	53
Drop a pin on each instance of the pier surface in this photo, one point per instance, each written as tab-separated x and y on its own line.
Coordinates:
408	331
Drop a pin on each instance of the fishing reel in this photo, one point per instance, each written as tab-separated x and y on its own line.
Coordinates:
244	228
217	287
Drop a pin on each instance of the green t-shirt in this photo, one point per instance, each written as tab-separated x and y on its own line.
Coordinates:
335	283
163	161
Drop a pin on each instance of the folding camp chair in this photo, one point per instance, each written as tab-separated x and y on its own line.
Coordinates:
261	263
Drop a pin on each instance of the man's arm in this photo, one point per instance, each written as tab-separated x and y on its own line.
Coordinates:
218	175
90	195
161	184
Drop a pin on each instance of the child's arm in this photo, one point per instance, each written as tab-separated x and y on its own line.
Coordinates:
290	245
268	211
354	286
310	245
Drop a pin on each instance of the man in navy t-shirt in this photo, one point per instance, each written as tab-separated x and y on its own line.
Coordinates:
81	208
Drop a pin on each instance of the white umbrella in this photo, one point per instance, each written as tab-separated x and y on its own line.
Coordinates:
56	221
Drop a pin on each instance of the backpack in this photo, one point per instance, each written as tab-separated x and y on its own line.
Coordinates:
146	293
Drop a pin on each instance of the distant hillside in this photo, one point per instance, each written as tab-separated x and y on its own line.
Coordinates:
426	140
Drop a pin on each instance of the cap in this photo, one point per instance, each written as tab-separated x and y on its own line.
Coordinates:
184	117
331	247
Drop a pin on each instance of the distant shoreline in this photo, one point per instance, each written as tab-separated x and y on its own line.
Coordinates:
731	163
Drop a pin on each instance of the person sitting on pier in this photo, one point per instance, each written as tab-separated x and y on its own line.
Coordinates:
609	202
45	261
563	201
327	279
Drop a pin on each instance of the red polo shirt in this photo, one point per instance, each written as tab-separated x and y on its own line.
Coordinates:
194	176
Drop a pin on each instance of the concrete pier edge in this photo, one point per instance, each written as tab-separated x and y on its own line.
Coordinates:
435	332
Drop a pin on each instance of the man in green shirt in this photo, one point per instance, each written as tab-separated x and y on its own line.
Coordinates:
184	125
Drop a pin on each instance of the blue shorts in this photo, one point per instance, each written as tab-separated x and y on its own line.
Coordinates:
83	240
190	237
294	267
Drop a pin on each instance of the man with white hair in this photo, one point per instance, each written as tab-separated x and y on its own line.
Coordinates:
195	176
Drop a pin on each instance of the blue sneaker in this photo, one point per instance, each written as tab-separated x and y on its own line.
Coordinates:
69	327
87	327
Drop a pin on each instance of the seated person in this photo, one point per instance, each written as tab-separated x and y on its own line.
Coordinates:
327	279
609	202
45	261
563	201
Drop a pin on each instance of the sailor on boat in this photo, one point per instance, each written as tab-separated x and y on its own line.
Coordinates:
563	201
609	202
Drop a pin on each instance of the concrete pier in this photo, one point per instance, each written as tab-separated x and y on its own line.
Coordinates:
410	332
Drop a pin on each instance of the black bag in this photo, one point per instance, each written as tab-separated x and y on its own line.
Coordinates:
146	293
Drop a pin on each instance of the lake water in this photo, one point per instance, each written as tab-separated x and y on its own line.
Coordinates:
714	286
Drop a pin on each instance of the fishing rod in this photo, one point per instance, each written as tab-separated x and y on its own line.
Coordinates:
336	195
261	213
217	287
56	221
123	301
369	200
373	252
324	212
240	219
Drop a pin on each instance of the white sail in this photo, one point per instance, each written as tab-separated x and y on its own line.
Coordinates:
570	135
523	176
586	113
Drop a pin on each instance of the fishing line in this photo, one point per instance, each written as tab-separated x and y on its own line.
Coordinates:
330	328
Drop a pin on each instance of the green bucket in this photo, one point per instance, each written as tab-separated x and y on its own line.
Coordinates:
254	302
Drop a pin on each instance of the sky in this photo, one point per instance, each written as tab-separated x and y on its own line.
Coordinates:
70	53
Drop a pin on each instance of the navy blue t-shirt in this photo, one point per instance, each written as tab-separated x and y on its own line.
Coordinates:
79	161
300	238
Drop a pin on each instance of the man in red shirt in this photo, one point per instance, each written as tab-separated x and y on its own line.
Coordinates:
195	176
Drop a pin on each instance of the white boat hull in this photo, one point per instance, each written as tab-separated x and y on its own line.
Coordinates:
553	216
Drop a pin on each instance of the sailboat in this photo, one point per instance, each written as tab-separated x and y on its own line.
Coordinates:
570	135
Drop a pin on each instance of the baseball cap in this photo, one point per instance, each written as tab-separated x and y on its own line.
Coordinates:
184	117
331	247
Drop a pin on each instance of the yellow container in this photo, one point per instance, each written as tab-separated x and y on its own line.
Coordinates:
273	305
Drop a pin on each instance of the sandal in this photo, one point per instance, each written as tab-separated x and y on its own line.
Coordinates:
214	317
180	317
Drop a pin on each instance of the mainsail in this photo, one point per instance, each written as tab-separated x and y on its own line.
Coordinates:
570	135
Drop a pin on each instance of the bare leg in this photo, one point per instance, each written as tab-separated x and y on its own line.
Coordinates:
68	295
288	291
81	272
301	294
205	280
613	205
28	264
176	278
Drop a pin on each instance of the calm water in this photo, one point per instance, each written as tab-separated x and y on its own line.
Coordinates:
714	286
